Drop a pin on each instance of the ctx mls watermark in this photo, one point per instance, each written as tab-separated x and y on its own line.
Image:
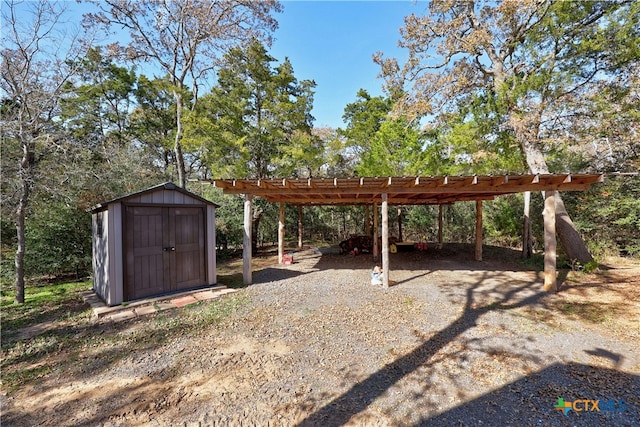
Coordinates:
590	405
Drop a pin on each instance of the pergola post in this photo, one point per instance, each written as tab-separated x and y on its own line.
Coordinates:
300	228
376	248
281	234
440	208
385	240
527	244
549	215
246	241
478	256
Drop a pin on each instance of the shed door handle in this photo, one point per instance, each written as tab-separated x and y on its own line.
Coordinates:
169	248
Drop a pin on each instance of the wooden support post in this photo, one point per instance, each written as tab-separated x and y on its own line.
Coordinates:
478	230
385	240
527	244
246	241
281	234
367	220
376	247
211	242
400	238
440	208
300	227
549	215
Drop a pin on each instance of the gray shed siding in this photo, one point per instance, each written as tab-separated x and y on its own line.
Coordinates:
100	245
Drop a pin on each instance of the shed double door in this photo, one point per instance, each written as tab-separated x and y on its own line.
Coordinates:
165	249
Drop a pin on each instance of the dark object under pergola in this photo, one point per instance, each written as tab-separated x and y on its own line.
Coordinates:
383	191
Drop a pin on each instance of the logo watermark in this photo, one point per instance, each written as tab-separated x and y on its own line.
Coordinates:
590	405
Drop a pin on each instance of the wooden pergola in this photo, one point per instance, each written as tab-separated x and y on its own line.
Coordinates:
400	191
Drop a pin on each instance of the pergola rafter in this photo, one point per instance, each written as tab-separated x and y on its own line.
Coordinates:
401	191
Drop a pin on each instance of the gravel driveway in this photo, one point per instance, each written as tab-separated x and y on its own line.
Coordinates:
454	342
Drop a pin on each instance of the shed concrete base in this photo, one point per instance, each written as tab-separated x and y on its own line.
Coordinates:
146	306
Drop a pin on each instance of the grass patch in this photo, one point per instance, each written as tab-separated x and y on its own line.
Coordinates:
588	311
75	347
42	304
233	280
229	272
496	305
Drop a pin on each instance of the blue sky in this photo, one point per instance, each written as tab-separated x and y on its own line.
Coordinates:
332	42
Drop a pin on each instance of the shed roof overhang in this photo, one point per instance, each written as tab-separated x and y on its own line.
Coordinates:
402	190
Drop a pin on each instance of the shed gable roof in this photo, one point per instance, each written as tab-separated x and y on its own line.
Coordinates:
166	186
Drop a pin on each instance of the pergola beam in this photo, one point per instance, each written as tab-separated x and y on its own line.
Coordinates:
372	187
462	189
393	200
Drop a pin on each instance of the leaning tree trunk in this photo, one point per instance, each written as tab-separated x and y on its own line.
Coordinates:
568	234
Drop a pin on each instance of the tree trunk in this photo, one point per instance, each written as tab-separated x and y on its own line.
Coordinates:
569	236
19	260
571	240
177	147
25	177
526	127
257	216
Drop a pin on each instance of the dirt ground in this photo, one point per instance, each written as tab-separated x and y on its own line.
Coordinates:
454	342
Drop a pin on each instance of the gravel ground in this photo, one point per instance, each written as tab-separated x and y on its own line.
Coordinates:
454	342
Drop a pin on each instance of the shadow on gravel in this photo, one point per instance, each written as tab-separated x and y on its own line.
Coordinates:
532	400
363	394
271	274
452	256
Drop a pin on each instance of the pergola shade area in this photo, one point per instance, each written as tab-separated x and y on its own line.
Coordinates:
399	191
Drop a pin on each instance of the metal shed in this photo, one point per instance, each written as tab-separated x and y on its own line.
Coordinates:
153	242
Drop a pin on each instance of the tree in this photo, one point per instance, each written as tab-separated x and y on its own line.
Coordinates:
466	143
34	68
153	119
256	110
106	135
396	150
339	159
303	156
385	145
33	74
528	58
364	118
184	39
96	103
